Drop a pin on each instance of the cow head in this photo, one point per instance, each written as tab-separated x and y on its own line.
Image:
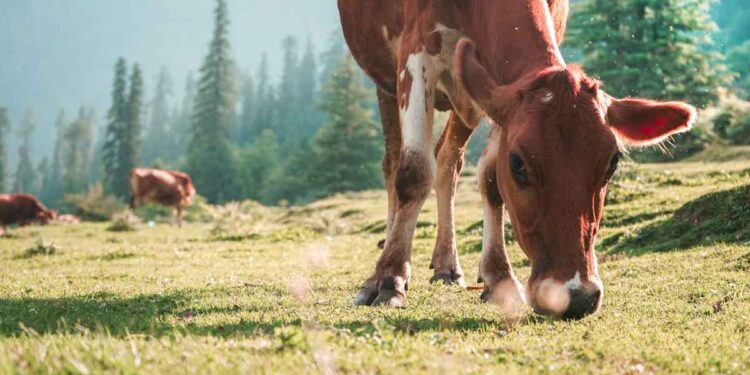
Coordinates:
560	142
44	216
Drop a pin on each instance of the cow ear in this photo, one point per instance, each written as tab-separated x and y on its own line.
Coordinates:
473	76
492	98
643	122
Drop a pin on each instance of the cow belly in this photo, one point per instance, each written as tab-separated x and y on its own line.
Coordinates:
168	196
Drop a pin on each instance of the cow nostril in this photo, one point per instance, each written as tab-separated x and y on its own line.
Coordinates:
583	302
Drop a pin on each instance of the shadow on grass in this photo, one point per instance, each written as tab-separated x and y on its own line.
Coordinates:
720	217
152	314
175	313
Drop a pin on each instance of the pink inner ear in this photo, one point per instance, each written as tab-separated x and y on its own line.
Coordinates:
652	129
644	122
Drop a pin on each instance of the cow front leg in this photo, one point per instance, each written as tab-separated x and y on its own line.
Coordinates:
389	117
450	159
389	281
500	284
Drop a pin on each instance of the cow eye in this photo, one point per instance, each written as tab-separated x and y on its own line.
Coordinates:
518	169
613	166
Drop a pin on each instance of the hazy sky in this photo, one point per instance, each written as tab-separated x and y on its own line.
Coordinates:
61	53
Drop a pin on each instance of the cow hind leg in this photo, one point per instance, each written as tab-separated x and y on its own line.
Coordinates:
388	283
392	133
500	284
450	154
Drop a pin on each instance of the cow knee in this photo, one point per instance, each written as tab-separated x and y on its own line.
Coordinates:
414	177
488	186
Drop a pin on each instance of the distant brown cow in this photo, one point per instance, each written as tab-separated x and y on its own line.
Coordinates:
167	188
23	209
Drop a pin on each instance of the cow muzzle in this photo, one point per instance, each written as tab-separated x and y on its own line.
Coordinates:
573	299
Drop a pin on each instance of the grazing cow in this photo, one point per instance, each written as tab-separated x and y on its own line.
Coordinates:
167	188
23	209
555	142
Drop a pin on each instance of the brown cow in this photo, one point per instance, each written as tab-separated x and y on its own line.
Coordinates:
167	188
555	141
23	209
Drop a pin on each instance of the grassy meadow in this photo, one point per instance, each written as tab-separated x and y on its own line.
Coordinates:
270	290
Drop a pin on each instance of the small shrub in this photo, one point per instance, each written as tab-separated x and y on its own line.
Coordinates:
733	123
125	221
93	205
197	212
41	248
228	219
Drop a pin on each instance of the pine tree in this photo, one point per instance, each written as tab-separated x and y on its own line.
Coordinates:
289	116
293	180
650	48
306	93
210	159
77	139
4	129
737	59
132	142
51	190
257	162
348	147
247	118
158	130
43	172
333	56
25	176
96	167
265	114
117	159
182	124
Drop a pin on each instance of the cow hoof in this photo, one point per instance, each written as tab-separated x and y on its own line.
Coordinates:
451	278
381	244
392	292
389	297
366	296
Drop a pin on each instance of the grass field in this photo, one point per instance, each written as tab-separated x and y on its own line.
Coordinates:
270	291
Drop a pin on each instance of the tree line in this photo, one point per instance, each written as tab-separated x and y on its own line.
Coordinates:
315	132
240	135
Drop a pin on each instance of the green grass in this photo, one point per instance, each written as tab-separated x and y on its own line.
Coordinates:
273	292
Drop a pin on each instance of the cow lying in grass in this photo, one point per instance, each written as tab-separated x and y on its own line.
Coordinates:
167	188
555	142
22	210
